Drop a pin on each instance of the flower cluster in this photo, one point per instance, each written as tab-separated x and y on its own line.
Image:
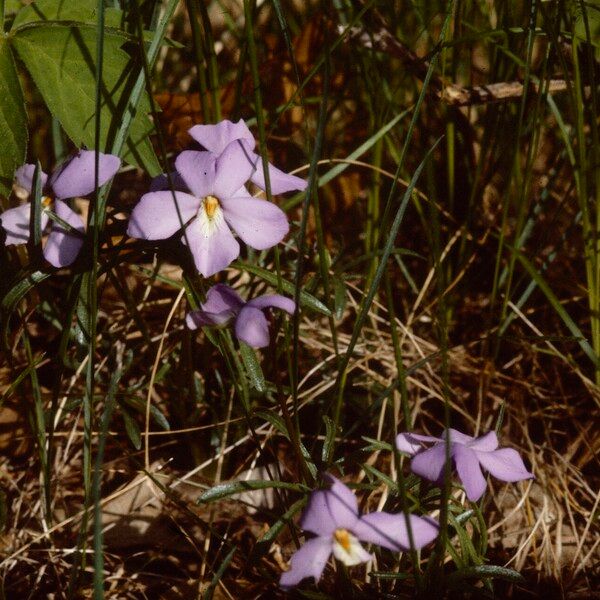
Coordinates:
332	514
205	201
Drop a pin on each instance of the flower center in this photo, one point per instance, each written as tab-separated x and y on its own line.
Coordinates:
342	537
211	205
210	216
347	549
46	201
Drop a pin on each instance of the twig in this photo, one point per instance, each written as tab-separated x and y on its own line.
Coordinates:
383	40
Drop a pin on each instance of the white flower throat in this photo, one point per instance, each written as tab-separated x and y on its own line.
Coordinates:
347	549
210	216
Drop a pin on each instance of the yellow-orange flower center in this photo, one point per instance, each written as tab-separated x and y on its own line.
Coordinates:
211	204
342	537
46	201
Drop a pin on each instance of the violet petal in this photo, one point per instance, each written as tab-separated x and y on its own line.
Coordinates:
233	170
212	253
76	176
203	318
390	531
161	183
221	297
259	223
469	471
328	510
308	561
504	464
198	171
222	304
274	301
62	246
457	437
15	221
429	464
411	443
279	181
252	328
216	138
485	443
24	176
157	216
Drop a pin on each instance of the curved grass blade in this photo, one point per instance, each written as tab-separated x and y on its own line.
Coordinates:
225	490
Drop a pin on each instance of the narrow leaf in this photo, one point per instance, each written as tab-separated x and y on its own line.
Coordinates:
224	490
252	367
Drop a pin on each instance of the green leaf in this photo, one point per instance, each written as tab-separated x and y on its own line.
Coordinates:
12	6
224	490
139	406
274	419
483	572
82	11
210	590
61	61
21	288
329	442
20	377
13	119
339	301
132	429
252	367
306	299
592	16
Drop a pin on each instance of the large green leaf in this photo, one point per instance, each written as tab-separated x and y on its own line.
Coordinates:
61	60
13	120
83	11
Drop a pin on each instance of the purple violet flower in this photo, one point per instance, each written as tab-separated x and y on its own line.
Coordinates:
469	454
332	515
215	138
224	304
218	200
73	179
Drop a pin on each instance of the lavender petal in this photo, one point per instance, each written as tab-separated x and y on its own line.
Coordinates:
211	253
198	171
62	246
216	138
390	530
429	464
158	216
259	223
24	176
504	464
274	301
252	328
76	176
307	561
469	471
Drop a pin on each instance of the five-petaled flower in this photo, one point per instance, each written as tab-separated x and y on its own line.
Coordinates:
73	179
224	304
469	454
218	200
332	515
